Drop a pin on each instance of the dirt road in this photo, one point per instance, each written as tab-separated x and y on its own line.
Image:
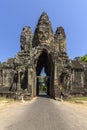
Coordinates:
43	113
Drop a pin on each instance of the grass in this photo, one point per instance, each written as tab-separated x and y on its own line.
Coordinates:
74	99
6	100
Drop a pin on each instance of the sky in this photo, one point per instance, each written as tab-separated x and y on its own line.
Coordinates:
15	14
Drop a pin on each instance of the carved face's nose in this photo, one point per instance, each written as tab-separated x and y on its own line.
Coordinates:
44	35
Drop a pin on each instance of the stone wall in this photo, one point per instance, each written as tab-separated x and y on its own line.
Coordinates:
85	74
0	78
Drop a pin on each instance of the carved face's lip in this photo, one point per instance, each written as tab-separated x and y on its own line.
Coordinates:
42	40
43	43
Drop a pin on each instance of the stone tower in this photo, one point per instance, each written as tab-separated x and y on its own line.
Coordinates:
47	50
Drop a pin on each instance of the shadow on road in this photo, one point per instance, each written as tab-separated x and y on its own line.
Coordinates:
43	96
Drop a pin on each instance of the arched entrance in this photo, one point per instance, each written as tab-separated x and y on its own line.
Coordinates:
45	61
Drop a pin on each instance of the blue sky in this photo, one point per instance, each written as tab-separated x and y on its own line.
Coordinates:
15	14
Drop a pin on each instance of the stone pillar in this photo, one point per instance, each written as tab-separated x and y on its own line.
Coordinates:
30	82
82	79
34	83
55	75
19	81
71	79
3	77
56	88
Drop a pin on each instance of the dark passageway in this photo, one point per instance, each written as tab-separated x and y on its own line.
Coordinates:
45	62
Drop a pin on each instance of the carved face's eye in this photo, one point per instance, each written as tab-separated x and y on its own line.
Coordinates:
23	29
46	33
40	32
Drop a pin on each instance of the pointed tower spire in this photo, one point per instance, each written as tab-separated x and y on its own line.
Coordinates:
26	39
60	39
43	31
44	17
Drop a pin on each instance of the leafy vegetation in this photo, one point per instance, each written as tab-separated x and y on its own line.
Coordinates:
81	59
77	98
7	100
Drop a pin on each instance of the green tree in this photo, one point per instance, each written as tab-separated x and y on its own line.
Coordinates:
81	59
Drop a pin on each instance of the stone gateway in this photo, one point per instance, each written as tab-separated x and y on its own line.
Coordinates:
47	50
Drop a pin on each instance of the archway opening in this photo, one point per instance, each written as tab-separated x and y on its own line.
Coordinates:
42	82
44	72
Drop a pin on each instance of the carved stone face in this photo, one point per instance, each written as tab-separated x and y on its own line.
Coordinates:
43	34
26	31
26	38
62	46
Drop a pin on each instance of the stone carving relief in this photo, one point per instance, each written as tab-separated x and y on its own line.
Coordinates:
26	39
43	32
60	39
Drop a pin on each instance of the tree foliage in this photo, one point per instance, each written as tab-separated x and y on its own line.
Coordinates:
81	59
